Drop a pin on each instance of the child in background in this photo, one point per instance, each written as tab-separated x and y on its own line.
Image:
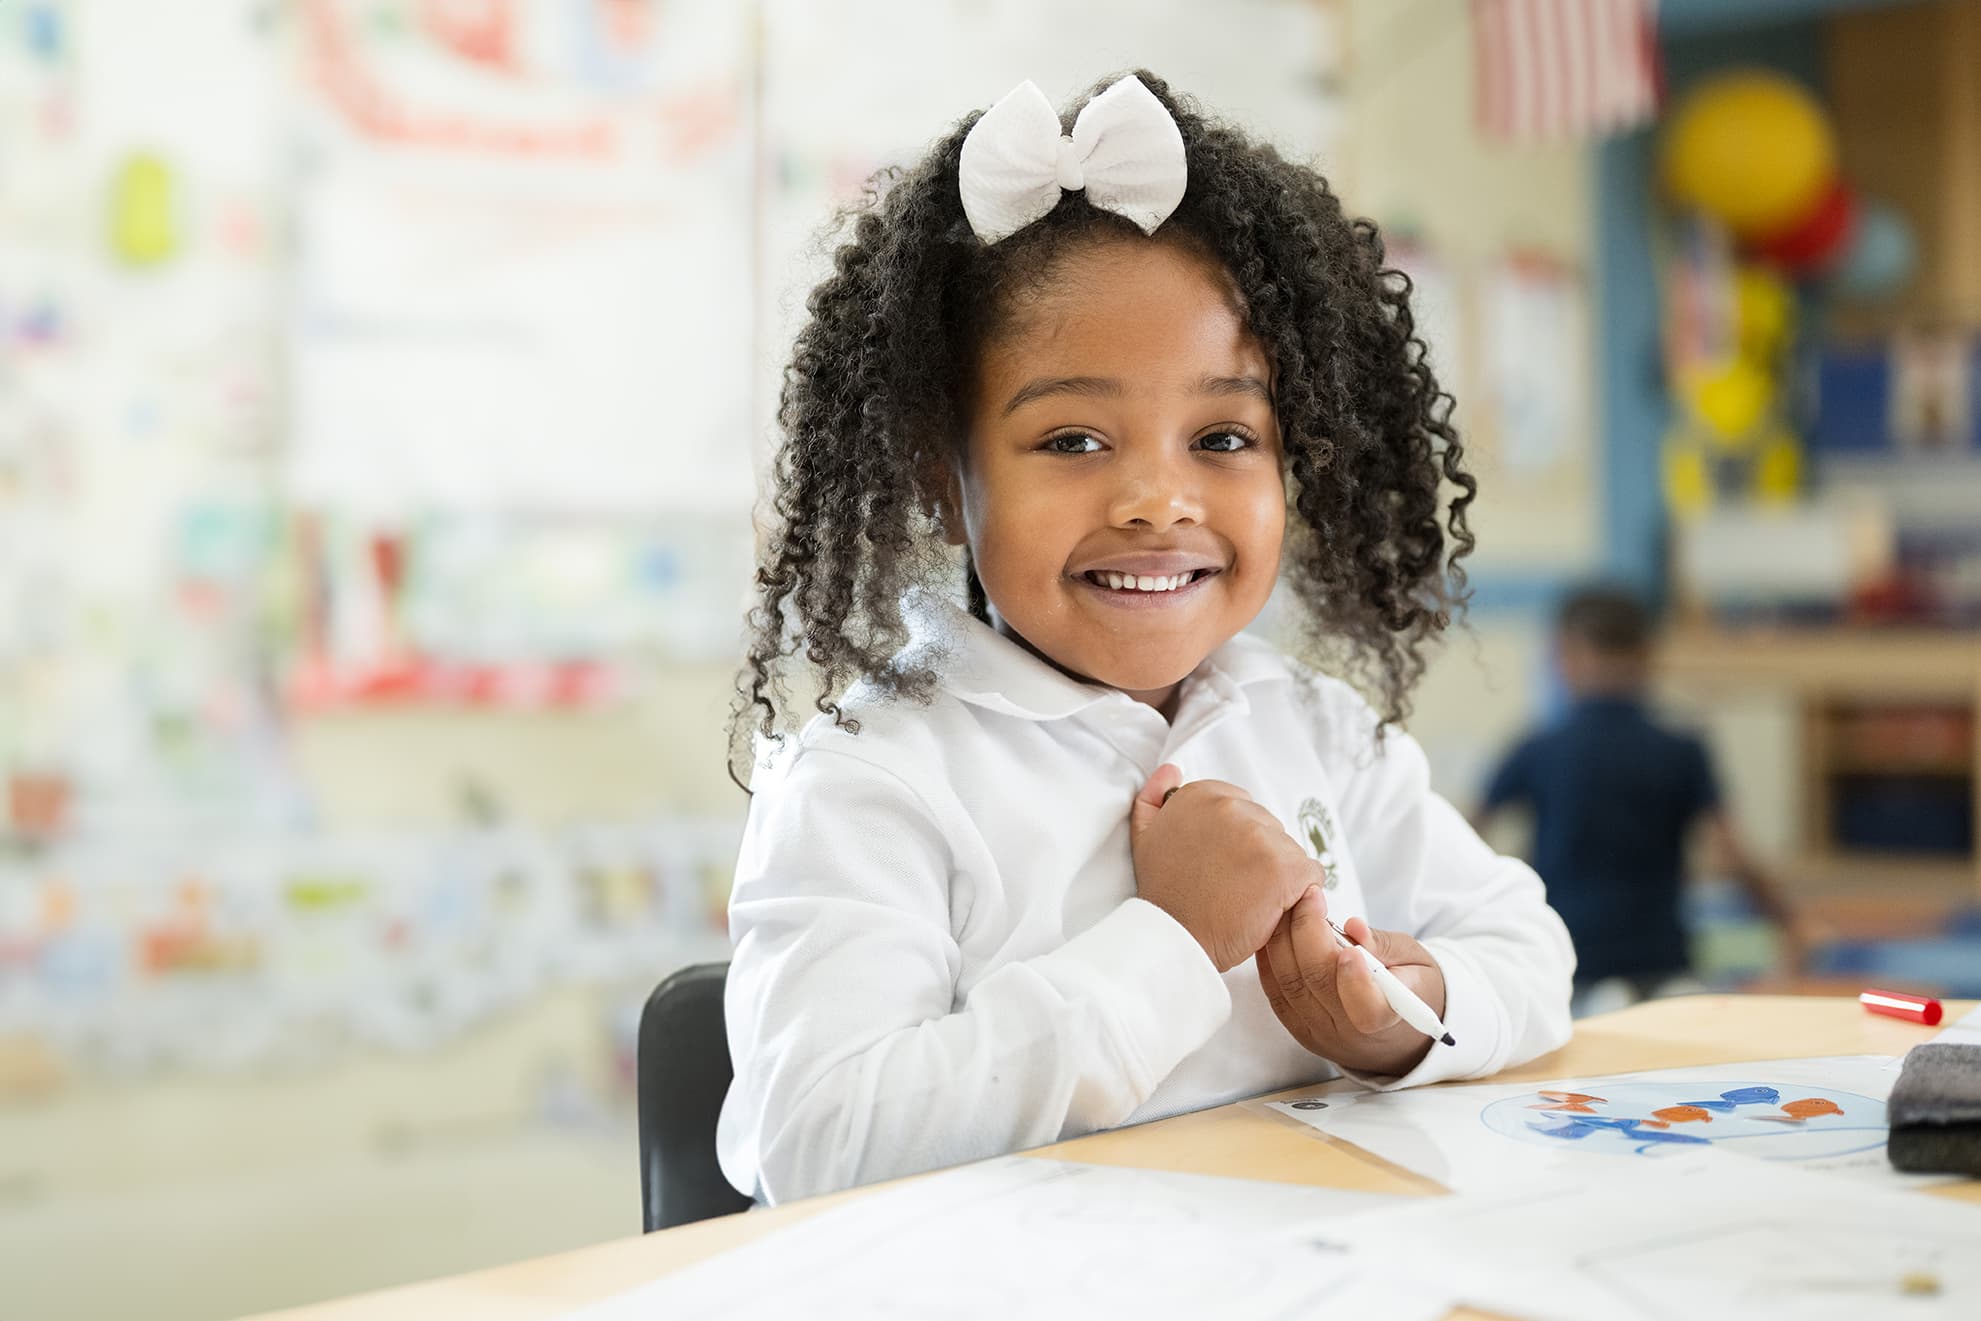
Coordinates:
1615	797
1063	855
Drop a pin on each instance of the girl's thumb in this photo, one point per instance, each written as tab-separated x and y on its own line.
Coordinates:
1167	778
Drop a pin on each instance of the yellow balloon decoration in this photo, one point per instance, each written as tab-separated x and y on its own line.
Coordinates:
1764	312
142	228
1752	149
1688	483
1778	470
1730	399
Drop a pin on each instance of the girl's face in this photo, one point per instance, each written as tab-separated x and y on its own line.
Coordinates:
1122	424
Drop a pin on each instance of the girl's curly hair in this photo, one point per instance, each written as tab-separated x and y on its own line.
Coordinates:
874	399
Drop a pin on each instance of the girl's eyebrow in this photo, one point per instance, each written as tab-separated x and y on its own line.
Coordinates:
1106	387
1251	385
1101	387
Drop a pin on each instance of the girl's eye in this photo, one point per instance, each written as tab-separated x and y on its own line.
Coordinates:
1072	443
1226	442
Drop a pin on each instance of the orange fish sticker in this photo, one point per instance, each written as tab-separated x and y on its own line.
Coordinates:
1572	1102
1810	1107
1683	1114
1797	1112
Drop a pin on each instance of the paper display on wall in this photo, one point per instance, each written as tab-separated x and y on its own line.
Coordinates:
522	282
1533	379
1437	313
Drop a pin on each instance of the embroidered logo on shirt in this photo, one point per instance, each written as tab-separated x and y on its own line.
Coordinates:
1317	824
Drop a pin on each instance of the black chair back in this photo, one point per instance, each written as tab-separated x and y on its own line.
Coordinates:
684	1071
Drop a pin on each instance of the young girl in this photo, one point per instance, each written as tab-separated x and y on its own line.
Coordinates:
1139	369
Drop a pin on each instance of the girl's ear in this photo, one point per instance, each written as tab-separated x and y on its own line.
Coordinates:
945	507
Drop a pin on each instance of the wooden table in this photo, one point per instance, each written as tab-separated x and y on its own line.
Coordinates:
1240	1140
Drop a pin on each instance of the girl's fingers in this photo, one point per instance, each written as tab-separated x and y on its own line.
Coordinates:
1307	930
1362	1000
1392	948
1166	780
1300	955
1277	958
1268	981
1305	971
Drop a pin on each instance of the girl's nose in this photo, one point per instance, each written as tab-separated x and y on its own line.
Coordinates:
1156	491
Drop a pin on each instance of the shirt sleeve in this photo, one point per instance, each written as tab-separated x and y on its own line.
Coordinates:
1507	960
1702	782
855	1060
1513	782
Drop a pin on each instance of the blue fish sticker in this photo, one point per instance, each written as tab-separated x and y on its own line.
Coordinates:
1651	1136
1752	1096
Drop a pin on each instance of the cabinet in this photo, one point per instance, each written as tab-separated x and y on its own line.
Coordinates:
1888	768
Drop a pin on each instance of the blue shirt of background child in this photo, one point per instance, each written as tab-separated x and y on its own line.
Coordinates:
1614	795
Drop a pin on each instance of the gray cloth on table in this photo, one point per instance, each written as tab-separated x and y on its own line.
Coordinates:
1935	1111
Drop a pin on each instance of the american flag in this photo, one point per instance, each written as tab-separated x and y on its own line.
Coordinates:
1564	70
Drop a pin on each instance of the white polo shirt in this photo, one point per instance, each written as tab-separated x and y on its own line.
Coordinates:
939	955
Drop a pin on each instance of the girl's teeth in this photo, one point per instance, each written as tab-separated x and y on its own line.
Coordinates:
1144	583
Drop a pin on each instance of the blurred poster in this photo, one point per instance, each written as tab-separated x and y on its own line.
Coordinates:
524	257
1436	311
1533	325
1536	463
1932	398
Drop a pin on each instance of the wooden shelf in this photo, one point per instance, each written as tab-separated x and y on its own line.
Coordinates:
1845	764
1832	675
1856	869
1889	665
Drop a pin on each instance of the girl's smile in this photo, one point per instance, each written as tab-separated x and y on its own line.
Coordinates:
1145	591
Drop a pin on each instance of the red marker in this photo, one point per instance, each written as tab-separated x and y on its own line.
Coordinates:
1897	1004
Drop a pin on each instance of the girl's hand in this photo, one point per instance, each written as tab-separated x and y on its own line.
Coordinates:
1217	862
1328	999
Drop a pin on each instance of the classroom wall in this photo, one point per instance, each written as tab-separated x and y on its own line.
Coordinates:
663	749
1412	156
1414	161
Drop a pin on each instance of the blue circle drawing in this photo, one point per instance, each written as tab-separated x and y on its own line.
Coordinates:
1659	1118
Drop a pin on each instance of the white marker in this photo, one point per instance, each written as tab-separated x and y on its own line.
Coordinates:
1408	1005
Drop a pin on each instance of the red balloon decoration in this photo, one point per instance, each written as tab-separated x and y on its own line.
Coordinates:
1817	241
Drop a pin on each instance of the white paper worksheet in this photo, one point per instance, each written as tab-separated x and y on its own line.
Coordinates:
1966	1032
1824	1114
1028	1237
1714	1237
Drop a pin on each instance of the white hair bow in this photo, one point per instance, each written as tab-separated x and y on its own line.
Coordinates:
1125	151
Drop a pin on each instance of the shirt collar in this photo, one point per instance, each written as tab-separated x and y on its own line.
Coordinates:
1608	702
979	665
